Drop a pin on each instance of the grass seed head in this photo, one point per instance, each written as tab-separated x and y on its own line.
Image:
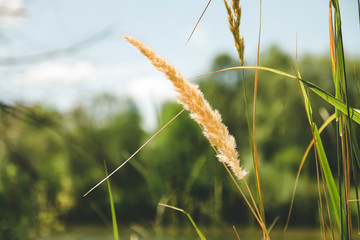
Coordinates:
200	110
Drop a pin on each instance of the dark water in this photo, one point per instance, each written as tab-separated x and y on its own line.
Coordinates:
136	232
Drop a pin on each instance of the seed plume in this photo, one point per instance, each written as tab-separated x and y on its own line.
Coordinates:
200	110
234	17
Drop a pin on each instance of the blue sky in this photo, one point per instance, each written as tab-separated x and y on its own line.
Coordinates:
114	66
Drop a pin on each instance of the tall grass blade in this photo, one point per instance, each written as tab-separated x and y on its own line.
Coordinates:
202	237
113	214
256	162
329	179
344	108
356	148
354	115
325	168
356	172
325	124
344	126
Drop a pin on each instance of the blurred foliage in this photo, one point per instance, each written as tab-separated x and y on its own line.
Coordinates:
48	160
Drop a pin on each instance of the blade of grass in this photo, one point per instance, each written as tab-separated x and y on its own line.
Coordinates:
149	140
334	195
323	160
325	170
113	214
325	124
356	176
256	162
356	149
354	115
202	237
344	126
318	157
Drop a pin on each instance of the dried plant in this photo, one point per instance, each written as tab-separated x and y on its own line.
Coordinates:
200	110
234	17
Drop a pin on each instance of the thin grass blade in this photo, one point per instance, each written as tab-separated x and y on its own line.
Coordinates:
113	214
354	115
197	23
329	179
325	124
237	235
202	237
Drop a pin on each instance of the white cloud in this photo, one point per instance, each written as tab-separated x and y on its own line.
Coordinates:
150	89
200	40
10	11
149	93
58	73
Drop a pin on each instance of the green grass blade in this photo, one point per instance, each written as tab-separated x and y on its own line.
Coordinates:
113	214
272	225
354	115
202	237
329	179
356	149
355	169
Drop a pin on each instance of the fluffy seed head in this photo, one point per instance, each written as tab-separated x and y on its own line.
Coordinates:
200	110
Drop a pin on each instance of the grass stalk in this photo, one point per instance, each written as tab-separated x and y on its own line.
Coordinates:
339	105
236	233
304	157
112	206
256	162
138	150
197	23
344	126
201	236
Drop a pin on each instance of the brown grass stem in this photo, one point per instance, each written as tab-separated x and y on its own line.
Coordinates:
236	233
256	162
257	216
251	207
197	23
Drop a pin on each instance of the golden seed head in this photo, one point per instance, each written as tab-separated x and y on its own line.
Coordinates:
200	110
234	16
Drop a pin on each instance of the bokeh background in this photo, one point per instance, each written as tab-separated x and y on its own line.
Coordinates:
74	94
